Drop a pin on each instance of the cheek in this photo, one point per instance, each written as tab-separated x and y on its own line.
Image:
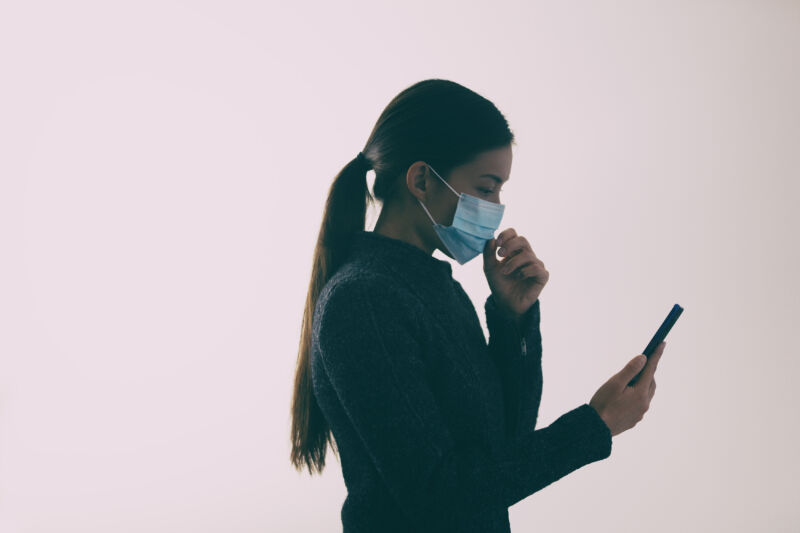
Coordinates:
443	208
449	210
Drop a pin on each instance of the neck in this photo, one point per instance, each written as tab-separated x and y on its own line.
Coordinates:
398	226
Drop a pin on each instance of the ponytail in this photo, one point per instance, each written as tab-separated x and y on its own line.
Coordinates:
344	215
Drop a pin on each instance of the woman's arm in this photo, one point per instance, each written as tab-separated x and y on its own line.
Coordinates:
516	349
369	346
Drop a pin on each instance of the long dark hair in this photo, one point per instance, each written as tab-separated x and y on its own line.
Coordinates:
436	121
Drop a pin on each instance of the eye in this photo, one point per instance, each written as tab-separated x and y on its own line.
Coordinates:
485	191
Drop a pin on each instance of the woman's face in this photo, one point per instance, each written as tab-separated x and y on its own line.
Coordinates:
483	177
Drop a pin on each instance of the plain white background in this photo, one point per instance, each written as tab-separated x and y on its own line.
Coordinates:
164	167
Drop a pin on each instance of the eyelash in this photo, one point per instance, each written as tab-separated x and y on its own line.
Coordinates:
485	191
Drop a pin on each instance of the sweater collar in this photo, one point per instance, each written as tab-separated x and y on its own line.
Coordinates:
401	255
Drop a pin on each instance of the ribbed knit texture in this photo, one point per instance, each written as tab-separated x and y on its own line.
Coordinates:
434	426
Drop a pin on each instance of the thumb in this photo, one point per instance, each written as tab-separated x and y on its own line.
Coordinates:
489	252
631	369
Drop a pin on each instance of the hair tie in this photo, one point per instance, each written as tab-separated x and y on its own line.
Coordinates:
363	162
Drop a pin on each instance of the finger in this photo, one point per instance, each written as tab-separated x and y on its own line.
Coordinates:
509	265
528	271
652	363
652	389
505	235
623	377
513	245
489	251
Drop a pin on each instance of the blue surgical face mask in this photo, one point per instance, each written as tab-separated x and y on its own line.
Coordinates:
474	223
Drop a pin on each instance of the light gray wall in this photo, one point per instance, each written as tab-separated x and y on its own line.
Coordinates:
164	168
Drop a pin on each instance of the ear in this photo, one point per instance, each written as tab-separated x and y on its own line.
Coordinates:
417	179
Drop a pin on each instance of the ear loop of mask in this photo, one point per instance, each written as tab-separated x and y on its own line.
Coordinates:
445	182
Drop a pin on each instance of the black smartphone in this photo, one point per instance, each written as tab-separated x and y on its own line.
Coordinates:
672	317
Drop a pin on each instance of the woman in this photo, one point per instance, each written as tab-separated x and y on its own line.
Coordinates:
434	426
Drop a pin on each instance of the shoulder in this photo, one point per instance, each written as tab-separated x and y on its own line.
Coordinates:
360	298
349	290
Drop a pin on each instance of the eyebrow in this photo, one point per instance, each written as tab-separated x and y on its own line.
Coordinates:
498	179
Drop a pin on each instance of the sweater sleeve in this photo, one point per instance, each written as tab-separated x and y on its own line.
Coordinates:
371	353
517	354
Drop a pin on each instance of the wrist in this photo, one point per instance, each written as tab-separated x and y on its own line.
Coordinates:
519	320
522	322
504	311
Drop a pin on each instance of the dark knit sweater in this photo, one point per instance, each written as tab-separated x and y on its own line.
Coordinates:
434	426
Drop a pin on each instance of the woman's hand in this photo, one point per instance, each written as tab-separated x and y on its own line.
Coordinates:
621	406
516	280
